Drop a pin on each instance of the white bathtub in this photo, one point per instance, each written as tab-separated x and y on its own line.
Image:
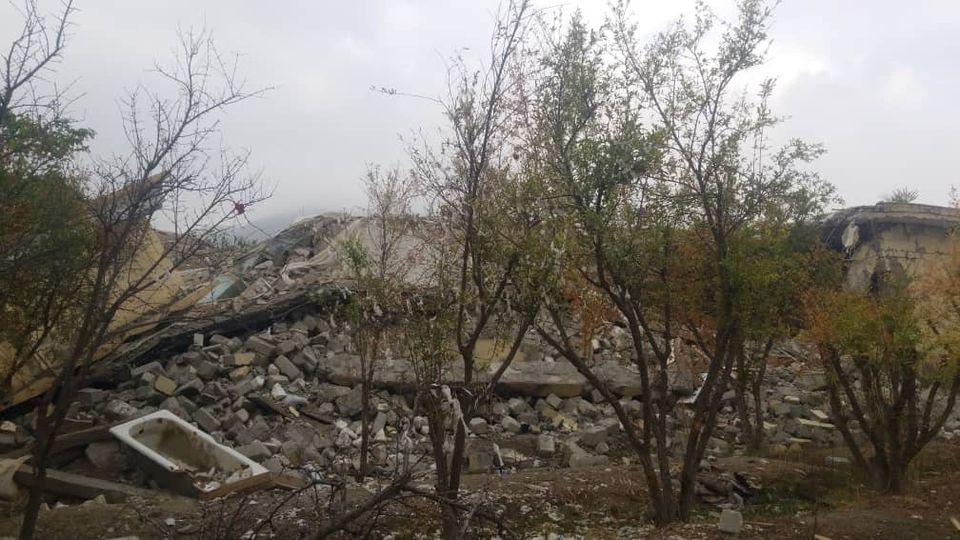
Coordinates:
181	457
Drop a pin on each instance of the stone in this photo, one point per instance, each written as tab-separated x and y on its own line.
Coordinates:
554	401
287	368
351	403
602	448
731	521
242	359
306	360
510	424
198	340
517	405
479	426
207	370
593	436
255	450
820	415
206	421
277	392
191	388
165	385
286	347
149	367
379	422
119	410
260	346
546	445
837	460
327	393
106	455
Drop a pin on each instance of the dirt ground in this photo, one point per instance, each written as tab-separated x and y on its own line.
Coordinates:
800	497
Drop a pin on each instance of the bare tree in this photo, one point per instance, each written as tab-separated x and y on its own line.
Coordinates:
480	234
173	174
378	261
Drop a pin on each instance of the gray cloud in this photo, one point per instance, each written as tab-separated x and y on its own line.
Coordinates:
874	80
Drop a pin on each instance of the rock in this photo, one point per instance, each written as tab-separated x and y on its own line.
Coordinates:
255	450
593	436
149	367
328	393
119	410
820	415
510	424
837	461
731	521
479	426
106	455
379	422
546	445
518	405
191	388
242	359
165	385
206	421
602	448
277	392
260	346
351	403
287	368
554	401
578	457
207	370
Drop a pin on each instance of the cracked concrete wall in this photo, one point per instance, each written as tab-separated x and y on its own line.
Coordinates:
891	240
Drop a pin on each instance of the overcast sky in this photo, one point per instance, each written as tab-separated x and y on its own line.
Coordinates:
876	81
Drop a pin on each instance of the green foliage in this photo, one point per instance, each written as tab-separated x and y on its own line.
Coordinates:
46	234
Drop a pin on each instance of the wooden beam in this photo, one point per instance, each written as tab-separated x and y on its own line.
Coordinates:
68	440
80	487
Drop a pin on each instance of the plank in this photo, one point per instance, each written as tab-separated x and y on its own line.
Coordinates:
67	441
81	487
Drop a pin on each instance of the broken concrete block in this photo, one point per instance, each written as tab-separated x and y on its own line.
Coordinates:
517	406
510	424
191	388
260	346
207	370
165	385
287	367
554	401
731	521
546	445
105	455
150	367
119	410
240	373
479	426
593	436
277	392
350	404
206	421
243	359
286	347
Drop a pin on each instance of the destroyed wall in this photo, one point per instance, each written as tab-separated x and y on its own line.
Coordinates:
890	240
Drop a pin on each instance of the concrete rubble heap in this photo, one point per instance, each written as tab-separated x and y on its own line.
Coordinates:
286	394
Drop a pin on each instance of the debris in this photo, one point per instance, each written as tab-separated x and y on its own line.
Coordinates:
81	487
731	522
181	457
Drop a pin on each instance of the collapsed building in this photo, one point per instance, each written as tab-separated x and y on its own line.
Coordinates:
265	368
